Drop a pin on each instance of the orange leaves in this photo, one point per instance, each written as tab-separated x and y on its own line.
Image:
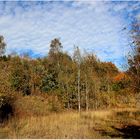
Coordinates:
120	76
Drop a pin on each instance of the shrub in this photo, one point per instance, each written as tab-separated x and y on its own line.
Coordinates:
54	104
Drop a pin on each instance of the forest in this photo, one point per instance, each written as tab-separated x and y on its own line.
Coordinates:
62	88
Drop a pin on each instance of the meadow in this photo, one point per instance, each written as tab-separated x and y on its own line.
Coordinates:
110	123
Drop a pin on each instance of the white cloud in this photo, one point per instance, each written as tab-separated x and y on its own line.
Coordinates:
90	25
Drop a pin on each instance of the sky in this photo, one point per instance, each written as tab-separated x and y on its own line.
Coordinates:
99	27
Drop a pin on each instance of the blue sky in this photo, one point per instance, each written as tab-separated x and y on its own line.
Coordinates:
94	26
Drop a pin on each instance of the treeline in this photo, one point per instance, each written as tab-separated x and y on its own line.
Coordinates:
79	82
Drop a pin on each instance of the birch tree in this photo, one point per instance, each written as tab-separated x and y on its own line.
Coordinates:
78	59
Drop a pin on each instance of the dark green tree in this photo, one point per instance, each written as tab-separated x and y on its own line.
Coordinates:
20	77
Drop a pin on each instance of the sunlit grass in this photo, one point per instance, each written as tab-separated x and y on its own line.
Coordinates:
92	124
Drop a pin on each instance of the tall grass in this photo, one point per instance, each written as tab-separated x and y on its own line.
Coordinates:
92	124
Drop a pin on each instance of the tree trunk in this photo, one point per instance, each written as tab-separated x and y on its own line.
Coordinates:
86	94
79	98
68	101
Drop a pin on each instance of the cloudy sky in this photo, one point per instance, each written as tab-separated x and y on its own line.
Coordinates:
100	27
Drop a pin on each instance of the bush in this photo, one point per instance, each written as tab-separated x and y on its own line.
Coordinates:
36	105
54	104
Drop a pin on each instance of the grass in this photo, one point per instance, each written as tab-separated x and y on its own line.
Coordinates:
113	123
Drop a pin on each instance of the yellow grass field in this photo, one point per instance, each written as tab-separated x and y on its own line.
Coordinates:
113	123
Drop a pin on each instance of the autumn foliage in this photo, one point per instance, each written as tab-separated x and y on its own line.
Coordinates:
59	81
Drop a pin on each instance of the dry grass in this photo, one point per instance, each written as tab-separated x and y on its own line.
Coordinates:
92	124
